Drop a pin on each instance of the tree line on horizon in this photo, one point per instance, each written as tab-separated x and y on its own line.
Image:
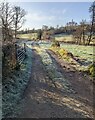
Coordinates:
12	19
83	33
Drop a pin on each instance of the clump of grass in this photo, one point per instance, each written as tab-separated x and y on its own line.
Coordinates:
55	44
91	70
62	52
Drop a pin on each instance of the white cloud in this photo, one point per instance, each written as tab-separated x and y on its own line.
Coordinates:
38	16
35	19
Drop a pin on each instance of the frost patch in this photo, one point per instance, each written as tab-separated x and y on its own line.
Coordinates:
53	72
15	86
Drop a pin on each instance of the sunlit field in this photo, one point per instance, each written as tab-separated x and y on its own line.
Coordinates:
28	36
64	38
84	52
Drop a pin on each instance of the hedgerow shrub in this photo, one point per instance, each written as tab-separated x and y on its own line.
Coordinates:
8	59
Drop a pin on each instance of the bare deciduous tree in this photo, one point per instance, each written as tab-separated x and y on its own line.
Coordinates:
77	35
12	18
83	27
18	18
6	17
92	11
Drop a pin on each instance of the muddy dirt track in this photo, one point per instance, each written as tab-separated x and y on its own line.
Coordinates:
44	99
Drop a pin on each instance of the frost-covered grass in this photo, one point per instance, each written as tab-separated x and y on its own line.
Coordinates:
78	65
45	44
15	85
83	52
53	71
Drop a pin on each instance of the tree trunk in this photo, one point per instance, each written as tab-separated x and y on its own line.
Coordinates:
92	24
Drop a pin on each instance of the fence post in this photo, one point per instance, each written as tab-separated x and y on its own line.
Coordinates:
25	47
16	53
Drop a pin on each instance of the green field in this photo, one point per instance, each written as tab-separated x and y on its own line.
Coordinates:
83	52
58	37
65	38
69	38
28	36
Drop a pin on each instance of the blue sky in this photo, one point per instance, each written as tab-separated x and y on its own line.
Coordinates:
54	13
